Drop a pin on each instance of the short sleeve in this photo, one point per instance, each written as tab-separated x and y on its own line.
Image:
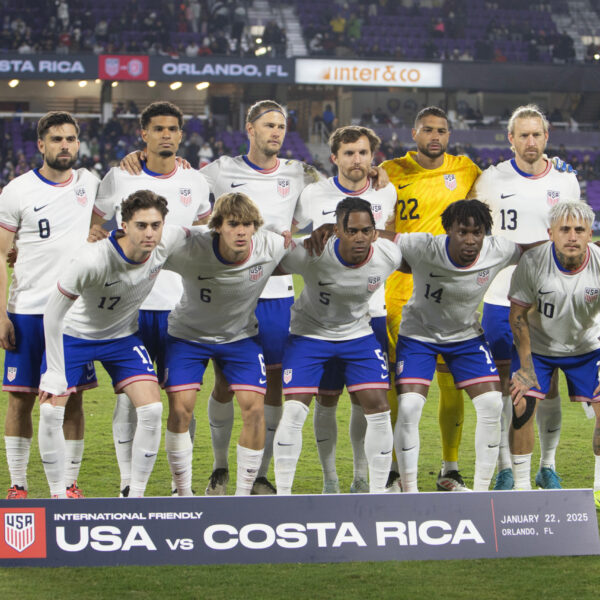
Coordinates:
295	261
10	209
521	291
414	246
106	200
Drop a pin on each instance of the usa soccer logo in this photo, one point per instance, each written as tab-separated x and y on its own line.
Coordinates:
287	375
283	187
19	530
11	373
112	66
154	272
399	367
591	294
483	277
256	273
81	196
185	195
373	283
376	210
552	197
450	181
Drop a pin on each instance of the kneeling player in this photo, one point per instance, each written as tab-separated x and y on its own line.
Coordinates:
96	303
224	270
555	303
330	320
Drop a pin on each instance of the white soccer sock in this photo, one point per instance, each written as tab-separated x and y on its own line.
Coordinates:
179	454
488	407
17	457
51	440
73	456
145	447
220	419
248	462
449	465
357	429
287	445
272	418
597	473
548	417
406	438
325	425
379	444
521	466
123	426
504	458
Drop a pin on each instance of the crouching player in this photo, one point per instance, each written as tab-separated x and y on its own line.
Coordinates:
96	305
330	320
451	273
224	270
554	307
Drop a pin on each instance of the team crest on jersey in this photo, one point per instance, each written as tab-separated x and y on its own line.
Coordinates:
19	530
81	196
483	277
374	282
591	294
399	367
185	195
287	375
450	181
256	273
552	197
283	187
376	210
11	373
154	272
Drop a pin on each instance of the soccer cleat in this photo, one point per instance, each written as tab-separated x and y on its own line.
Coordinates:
74	492
597	499
331	486
16	492
504	480
547	479
451	482
263	487
359	486
217	484
124	492
393	485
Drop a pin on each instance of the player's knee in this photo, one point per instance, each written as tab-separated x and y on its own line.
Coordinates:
521	420
20	405
488	406
253	413
150	415
410	406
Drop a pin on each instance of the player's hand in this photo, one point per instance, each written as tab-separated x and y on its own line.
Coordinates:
7	334
287	237
52	385
11	257
132	163
181	162
97	233
523	380
47	397
379	177
562	166
597	390
318	238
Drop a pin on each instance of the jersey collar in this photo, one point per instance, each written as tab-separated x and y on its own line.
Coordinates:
215	245
336	249
545	172
157	175
113	240
566	271
348	192
53	183
257	168
461	267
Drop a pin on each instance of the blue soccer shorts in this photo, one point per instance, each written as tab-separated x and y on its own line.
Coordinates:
496	329
152	330
273	316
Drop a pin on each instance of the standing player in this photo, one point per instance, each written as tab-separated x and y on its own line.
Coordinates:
187	194
46	213
330	320
520	193
554	308
224	272
426	182
352	150
96	302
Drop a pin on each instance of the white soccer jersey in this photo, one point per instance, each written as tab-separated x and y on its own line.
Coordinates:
50	222
334	302
188	197
275	191
219	298
520	207
317	205
564	304
443	305
109	289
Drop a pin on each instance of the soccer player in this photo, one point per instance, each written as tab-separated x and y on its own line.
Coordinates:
451	274
330	320
187	194
554	308
426	182
96	303
520	193
225	270
352	150
45	213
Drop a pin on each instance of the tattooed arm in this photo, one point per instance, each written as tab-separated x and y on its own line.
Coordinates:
524	379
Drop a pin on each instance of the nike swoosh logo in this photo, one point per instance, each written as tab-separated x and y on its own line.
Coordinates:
493	445
150	454
328	212
282	444
543	293
48	462
384	376
111	283
503	196
125	441
553	430
234	185
519	462
323	440
407	449
400	187
459	424
326	283
386	452
216	426
261	381
432	275
271	429
203	278
36	208
75	462
89	377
